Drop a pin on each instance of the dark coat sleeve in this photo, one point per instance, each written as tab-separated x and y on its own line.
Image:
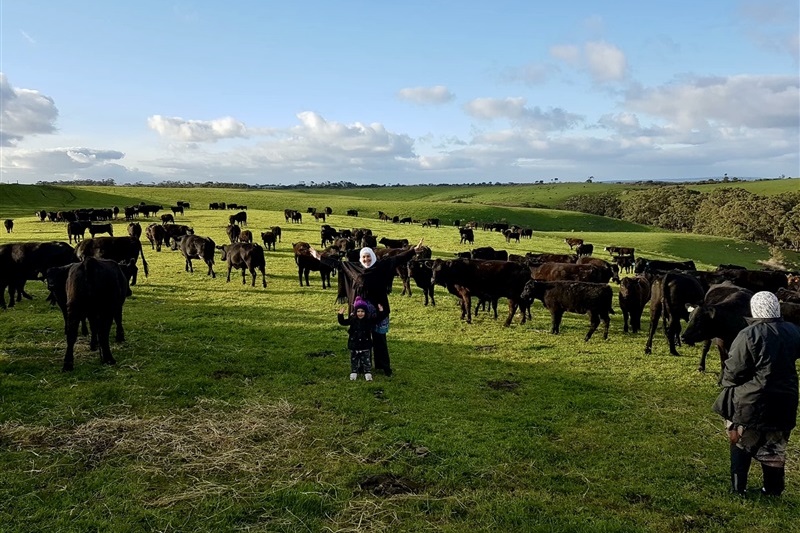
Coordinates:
342	320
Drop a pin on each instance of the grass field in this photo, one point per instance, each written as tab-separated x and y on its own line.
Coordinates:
230	408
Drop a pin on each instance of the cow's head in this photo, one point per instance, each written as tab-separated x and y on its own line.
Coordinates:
699	325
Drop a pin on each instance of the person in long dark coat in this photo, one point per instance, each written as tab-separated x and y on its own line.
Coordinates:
760	394
369	279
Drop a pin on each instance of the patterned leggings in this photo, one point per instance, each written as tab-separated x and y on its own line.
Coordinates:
360	362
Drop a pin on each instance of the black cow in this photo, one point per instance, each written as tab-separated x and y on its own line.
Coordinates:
573	297
9	225
135	230
94	229
306	263
626	262
245	256
788	295
511	235
197	247
233	232
352	212
246	236
269	240
277	231
405	220
116	248
755	280
431	222
571	272
719	318
297	217
319	216
167	218
156	234
328	211
177	209
537	259
467	235
487	279
421	273
239	218
41	215
634	292
669	295
642	265
393	243
173	231
94	289
619	250
584	249
76	230
327	234
20	262
488	253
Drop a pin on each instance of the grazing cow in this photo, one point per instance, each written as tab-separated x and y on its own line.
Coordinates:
719	318
579	297
383	216
669	295
431	222
269	240
23	261
135	230
755	280
245	256
156	234
173	231
619	250
239	218
511	235
94	229
352	212
116	248
489	253
213	206
526	233
246	236
311	210
570	272
421	273
297	217
467	235
395	219
76	230
487	279
535	259
176	209
277	231
197	247
233	206
94	289
573	242
584	249
233	231
328	211
634	293
393	243
319	216
9	225
641	265
41	215
167	218
287	214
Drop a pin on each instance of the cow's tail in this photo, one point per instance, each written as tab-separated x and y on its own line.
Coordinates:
144	263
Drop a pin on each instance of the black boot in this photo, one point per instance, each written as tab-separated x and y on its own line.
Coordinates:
774	480
740	466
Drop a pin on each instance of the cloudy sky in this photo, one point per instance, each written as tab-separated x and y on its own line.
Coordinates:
417	91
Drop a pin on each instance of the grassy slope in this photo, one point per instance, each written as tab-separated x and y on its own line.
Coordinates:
219	415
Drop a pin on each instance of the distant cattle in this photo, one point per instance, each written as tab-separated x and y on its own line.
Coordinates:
573	242
156	234
579	297
311	210
94	289
489	253
352	212
239	218
246	236
319	216
383	216
233	232
115	248
173	231
669	295
233	206
634	292
467	235
214	206
181	203
570	272
135	230
511	235
584	249
269	240
41	215
177	209
277	231
393	243
625	262
76	230
534	259
327	234
167	218
245	256
619	250
297	217
9	225
95	229
197	247
431	222
328	211
20	262
421	273
526	233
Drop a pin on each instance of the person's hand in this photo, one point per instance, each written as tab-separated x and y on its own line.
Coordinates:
733	435
418	247
380	307
341	311
313	252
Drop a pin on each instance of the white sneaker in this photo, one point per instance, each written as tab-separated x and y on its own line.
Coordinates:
368	376
353	376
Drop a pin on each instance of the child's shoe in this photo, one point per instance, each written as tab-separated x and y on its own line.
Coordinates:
368	376
353	376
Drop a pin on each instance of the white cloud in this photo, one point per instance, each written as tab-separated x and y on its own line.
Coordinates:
530	74
178	129
516	110
24	112
605	61
438	94
568	53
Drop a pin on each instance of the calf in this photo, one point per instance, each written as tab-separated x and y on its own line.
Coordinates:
76	230
245	256
624	262
669	295
306	263
115	248
167	218
421	273
393	243
633	296
511	235
269	240
276	230
8	224
135	230
94	229
467	235
246	236
327	235
573	242
573	297
156	234
94	289
197	247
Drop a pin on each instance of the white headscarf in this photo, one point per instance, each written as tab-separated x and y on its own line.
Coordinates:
765	305
367	251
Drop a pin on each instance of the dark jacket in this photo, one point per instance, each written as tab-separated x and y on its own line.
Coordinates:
760	377
360	331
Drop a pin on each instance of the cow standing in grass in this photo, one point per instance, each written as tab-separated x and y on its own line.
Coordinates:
245	256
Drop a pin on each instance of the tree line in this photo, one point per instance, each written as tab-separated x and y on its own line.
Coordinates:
724	212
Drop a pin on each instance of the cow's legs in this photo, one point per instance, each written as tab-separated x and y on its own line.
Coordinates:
244	276
211	269
71	331
229	273
556	322
625	321
706	347
606	324
594	321
512	309
120	331
188	267
655	315
103	329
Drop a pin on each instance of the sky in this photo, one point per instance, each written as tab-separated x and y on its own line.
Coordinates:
420	91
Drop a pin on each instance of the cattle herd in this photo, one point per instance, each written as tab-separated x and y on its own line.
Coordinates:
90	281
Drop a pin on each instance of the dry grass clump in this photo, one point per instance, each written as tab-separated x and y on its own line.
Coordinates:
201	440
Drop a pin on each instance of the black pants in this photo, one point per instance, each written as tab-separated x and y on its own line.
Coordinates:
360	362
381	351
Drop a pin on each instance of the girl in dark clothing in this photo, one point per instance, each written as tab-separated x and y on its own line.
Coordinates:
369	278
361	323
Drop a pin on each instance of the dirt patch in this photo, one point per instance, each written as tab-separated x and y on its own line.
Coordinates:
388	485
503	384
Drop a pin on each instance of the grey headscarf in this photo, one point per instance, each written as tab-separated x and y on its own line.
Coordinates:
367	251
764	304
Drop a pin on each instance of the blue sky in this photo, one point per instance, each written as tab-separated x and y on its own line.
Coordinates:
270	92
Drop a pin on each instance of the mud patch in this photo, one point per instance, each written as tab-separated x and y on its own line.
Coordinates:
388	485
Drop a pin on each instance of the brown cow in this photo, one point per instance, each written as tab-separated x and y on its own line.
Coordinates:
245	256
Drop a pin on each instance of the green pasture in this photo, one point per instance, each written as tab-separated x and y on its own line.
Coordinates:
230	409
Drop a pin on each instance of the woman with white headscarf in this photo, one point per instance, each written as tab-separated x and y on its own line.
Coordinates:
370	279
760	396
